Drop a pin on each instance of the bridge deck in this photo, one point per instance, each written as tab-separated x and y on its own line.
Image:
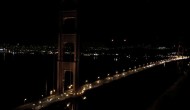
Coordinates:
69	94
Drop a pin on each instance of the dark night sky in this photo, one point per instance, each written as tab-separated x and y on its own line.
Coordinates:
138	21
141	21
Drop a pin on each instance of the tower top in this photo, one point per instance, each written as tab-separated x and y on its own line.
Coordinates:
68	5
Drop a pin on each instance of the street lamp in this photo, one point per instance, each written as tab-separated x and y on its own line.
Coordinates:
86	81
98	77
25	100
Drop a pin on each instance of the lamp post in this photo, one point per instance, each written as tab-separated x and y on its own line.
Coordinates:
25	100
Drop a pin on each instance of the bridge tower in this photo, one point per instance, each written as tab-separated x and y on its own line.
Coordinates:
180	50
68	47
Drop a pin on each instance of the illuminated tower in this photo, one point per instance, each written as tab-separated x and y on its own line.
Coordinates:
180	50
68	48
